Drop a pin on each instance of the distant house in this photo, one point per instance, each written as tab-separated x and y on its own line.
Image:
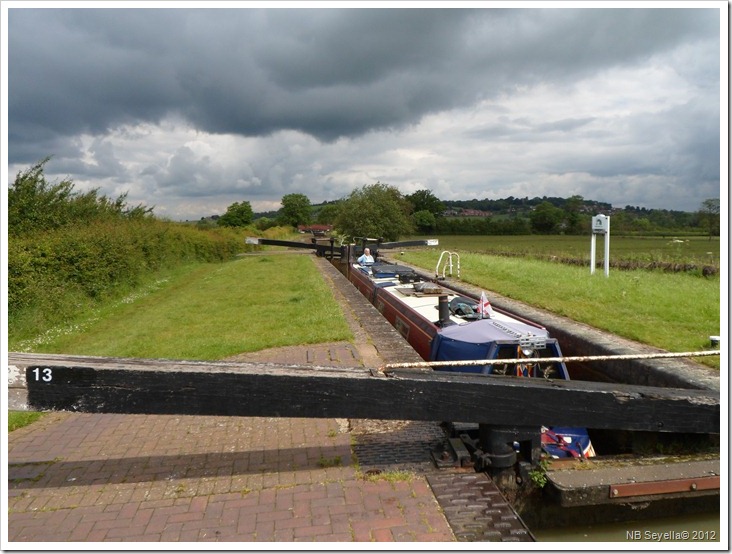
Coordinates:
317	229
466	212
475	213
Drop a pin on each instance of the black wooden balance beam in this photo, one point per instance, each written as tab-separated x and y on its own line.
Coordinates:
140	386
120	385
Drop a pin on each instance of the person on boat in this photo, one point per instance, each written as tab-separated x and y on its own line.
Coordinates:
366	257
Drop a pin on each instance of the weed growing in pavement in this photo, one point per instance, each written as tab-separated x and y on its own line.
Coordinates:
393	476
329	462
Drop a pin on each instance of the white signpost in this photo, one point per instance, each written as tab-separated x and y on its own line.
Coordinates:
600	226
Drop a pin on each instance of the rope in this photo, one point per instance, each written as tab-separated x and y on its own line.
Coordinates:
559	359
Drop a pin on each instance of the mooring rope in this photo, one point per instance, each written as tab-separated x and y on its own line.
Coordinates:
611	357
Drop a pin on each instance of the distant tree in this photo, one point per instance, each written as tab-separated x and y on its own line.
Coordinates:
572	217
328	213
545	218
264	223
375	211
709	216
643	224
295	210
206	223
424	221
424	200
239	214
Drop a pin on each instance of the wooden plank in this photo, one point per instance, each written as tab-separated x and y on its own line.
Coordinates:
111	385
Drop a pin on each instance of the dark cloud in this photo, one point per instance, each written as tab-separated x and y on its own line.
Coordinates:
77	77
328	73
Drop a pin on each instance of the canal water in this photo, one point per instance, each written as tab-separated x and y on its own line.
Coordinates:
688	529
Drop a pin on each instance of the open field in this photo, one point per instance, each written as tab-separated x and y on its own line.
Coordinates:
643	250
674	311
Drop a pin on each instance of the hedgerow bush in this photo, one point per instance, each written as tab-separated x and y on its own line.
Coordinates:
67	251
96	259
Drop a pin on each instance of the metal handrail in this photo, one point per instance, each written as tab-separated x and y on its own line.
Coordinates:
448	262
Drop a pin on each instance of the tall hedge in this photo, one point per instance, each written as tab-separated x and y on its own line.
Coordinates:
97	259
66	248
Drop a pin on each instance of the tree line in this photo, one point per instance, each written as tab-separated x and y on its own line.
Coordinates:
381	210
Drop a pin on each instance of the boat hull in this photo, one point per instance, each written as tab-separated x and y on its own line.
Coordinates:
418	331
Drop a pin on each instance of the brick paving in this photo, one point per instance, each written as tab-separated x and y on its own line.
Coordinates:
91	477
114	478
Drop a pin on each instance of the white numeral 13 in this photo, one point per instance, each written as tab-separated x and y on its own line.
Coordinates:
43	374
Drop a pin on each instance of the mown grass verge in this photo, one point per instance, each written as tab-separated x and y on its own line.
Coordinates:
210	312
676	312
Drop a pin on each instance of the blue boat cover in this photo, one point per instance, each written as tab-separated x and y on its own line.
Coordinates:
381	270
473	341
476	341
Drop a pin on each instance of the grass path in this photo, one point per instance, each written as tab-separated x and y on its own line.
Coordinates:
212	311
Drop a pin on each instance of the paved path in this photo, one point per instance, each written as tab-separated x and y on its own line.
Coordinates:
90	477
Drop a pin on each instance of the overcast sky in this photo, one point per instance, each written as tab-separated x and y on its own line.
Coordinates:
190	110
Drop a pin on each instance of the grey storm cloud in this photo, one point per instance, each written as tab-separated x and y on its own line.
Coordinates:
332	74
328	73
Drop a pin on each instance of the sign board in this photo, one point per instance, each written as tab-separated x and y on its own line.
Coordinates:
601	224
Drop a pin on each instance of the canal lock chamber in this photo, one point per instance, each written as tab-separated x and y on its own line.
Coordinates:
681	468
619	453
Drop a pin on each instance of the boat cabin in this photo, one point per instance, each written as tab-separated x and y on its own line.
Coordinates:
443	325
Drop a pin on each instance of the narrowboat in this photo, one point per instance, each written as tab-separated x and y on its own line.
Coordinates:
443	325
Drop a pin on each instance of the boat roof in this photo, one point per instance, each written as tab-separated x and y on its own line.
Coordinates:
502	326
490	330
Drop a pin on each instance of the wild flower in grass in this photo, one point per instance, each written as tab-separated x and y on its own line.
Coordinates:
137	295
54	333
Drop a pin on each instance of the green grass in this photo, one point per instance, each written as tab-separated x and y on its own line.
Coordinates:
697	250
16	420
677	312
212	311
209	312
